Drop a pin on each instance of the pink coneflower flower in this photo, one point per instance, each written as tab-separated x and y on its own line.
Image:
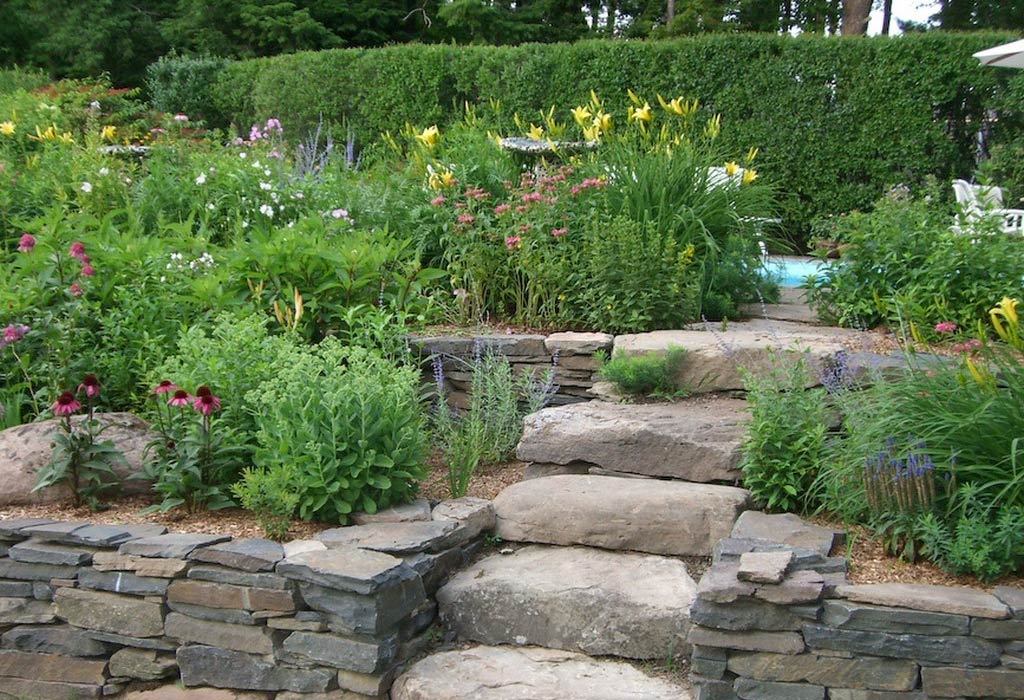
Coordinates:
65	405
90	385
26	243
179	399
512	242
556	232
205	402
75	290
87	271
165	387
465	219
945	327
77	250
437	201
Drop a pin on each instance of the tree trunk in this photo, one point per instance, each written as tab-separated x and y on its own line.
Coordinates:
670	11
855	17
886	16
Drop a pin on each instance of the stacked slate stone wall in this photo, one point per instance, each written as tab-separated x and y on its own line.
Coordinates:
88	611
778	621
571	355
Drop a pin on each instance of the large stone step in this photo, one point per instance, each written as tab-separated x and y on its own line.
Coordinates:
715	354
693	440
645	515
581	599
528	673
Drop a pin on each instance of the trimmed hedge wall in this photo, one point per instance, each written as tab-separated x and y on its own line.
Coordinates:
838	120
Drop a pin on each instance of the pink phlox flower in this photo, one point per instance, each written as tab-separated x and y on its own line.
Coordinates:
273	125
945	327
65	405
26	243
254	133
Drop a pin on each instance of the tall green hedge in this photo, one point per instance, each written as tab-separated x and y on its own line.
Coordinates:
837	120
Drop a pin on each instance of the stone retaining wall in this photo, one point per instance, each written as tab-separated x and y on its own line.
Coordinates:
571	355
88	611
776	620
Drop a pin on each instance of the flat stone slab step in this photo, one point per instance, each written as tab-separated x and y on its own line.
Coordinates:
581	599
528	673
645	515
715	354
693	440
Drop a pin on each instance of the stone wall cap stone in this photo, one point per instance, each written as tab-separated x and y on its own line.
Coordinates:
12	527
398	538
788	529
347	568
401	513
569	342
171	546
252	554
764	567
922	596
1013	598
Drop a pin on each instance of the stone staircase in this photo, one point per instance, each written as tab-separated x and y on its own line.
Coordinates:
615	498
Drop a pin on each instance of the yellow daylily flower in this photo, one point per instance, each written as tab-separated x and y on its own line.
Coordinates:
672	106
640	114
633	98
440	180
603	121
592	132
594	102
65	138
428	137
731	169
751	154
1007	308
713	127
749	176
581	115
7	128
979	374
108	133
536	132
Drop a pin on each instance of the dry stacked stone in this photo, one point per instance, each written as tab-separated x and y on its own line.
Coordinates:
571	355
88	611
775	618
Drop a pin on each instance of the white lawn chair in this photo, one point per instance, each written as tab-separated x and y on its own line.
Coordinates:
979	201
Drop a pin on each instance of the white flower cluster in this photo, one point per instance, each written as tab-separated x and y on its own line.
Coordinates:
203	262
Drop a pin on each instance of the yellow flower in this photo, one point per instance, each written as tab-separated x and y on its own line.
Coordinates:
633	98
581	115
1007	308
428	137
673	106
7	128
65	138
108	133
713	127
603	121
731	169
749	176
536	132
751	154
440	180
640	114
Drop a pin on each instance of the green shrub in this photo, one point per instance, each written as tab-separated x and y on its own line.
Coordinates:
794	97
348	421
903	263
784	444
270	495
650	374
182	84
12	79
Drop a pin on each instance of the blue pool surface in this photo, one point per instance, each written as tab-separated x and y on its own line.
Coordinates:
792	271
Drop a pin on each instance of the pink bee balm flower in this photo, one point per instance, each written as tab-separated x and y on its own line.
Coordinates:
26	243
556	232
75	290
502	208
65	405
205	402
165	387
77	250
87	271
90	385
13	333
465	219
179	399
437	201
945	327
512	242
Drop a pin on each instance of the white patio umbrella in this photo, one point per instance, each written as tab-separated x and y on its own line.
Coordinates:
1005	56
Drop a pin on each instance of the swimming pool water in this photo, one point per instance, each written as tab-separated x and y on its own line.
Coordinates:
791	271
